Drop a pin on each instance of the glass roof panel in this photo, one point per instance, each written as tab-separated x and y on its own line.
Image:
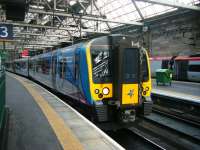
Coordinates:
124	10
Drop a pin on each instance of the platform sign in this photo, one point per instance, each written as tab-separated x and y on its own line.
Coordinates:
6	32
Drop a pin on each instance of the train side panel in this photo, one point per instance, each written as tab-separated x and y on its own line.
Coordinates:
84	78
21	66
71	78
40	69
65	79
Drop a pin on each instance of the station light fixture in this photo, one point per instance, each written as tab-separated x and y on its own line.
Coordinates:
72	2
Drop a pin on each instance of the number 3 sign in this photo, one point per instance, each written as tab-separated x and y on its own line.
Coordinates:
6	31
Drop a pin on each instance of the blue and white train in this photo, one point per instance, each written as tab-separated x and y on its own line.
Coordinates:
110	76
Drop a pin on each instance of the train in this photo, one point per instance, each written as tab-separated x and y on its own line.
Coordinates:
108	76
184	68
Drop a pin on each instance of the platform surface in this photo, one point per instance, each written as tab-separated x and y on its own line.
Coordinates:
41	121
188	91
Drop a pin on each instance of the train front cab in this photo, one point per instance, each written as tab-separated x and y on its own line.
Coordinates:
116	78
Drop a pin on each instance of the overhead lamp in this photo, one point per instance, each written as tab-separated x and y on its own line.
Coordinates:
72	2
37	7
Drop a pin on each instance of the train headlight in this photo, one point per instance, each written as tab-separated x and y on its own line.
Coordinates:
96	91
106	91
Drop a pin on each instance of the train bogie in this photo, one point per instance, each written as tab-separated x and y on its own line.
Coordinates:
21	66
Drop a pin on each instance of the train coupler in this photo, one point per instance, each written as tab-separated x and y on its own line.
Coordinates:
127	116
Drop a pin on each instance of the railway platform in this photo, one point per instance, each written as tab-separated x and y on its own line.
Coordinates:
40	120
185	91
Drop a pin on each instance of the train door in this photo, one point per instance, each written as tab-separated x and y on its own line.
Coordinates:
77	69
76	74
54	69
61	70
63	79
126	82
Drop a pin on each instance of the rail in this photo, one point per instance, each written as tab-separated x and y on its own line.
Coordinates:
147	139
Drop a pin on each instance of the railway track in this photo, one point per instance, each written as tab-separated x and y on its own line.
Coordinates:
134	139
182	117
185	110
180	126
147	139
174	132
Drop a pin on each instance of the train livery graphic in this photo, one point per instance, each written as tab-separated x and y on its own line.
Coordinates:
109	76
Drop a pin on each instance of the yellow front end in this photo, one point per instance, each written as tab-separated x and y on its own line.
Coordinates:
127	94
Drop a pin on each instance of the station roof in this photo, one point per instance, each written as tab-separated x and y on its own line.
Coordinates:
50	22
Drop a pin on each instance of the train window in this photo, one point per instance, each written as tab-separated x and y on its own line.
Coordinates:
45	66
62	68
194	68
130	65
54	65
17	65
145	72
38	65
31	65
23	65
101	64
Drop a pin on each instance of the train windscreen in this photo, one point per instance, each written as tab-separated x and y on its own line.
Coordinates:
101	64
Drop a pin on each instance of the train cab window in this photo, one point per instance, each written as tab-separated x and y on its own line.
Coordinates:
101	64
130	65
101	60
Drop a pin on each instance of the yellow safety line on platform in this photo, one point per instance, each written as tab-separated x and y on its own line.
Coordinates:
63	133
